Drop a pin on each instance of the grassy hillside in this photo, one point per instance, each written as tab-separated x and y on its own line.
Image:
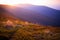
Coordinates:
12	28
21	30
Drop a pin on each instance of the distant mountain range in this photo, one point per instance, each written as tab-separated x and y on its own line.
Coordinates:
37	14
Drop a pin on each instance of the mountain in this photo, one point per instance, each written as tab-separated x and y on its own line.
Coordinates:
37	14
4	13
17	29
7	18
49	12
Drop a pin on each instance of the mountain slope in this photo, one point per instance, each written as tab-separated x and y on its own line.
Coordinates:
38	14
49	12
23	30
4	13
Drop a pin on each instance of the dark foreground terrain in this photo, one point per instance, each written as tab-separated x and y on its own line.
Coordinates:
29	32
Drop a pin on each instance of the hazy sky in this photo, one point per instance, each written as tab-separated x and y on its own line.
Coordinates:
51	3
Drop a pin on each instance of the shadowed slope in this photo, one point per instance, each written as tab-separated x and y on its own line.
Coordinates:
38	14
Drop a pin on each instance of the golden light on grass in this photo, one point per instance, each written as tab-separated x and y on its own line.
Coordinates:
47	31
9	22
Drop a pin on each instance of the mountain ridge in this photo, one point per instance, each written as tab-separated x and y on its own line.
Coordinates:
32	13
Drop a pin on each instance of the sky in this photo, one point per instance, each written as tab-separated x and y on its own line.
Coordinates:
50	3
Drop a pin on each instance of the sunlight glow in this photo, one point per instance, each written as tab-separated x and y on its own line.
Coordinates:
50	3
12	2
34	2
